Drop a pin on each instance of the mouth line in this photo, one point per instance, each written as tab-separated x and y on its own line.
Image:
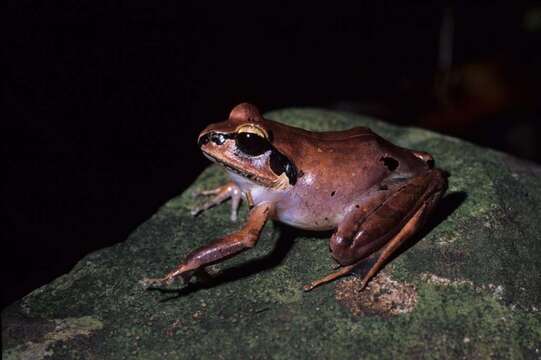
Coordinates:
245	174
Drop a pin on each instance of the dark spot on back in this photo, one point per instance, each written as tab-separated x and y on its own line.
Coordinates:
389	162
334	192
357	206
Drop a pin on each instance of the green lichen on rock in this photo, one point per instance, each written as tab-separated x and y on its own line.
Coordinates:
472	281
38	337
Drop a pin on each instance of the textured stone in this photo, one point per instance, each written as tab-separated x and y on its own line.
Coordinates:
470	283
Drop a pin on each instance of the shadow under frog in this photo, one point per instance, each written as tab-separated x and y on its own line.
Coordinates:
372	195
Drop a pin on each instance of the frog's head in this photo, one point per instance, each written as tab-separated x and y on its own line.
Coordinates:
243	145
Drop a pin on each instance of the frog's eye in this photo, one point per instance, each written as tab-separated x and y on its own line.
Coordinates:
252	140
252	144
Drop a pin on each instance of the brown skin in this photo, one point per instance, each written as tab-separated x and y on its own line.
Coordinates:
374	194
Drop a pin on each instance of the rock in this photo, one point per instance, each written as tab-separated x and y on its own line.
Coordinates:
468	286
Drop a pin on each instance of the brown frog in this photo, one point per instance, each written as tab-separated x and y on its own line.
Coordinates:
373	194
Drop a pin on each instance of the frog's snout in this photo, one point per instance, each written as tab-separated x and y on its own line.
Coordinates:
203	139
216	138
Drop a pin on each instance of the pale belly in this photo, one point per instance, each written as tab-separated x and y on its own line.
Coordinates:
298	210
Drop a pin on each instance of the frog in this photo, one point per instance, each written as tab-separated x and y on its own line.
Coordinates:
371	194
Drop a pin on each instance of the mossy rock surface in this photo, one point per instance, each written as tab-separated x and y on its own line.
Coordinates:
469	286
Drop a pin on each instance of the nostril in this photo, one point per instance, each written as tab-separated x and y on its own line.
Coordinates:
218	139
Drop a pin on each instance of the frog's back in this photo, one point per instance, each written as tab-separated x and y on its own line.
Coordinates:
342	135
284	131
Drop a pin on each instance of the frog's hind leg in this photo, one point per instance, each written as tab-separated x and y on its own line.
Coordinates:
366	232
408	230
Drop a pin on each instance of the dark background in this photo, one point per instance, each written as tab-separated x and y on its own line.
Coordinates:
103	102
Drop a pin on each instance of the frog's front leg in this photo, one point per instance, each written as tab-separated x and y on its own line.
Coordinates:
384	223
219	195
220	249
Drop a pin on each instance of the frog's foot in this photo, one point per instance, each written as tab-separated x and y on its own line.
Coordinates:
219	195
168	279
344	270
148	283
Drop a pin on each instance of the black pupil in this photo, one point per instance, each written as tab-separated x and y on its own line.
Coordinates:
252	144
